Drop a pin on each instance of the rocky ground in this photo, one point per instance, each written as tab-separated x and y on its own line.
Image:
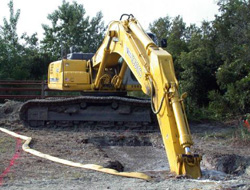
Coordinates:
225	164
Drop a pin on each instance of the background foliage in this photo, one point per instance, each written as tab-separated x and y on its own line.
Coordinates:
24	58
212	61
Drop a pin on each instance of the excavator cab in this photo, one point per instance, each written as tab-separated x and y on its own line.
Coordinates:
153	37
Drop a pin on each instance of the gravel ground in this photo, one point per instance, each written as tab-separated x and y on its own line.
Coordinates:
225	164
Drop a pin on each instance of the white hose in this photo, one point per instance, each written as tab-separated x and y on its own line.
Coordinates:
95	167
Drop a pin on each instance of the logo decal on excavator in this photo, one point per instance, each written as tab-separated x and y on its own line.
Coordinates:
134	62
54	79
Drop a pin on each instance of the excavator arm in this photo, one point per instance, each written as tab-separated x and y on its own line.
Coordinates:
153	68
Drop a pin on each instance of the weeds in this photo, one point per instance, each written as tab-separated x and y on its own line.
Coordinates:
7	144
242	132
218	135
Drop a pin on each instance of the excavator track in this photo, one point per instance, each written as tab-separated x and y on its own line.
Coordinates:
106	110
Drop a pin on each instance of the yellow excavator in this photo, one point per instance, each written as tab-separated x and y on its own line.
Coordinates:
127	60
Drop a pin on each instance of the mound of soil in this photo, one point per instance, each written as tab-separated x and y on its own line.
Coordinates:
9	111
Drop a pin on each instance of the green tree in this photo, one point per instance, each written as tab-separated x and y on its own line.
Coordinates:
10	48
94	35
19	60
8	30
233	45
176	40
194	55
199	64
174	31
69	27
161	27
33	60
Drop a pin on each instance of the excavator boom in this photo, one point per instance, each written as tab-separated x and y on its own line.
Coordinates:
154	70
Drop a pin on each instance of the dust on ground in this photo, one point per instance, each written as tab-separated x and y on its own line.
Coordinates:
225	164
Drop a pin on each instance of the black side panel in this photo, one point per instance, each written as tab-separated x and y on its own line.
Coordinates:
80	56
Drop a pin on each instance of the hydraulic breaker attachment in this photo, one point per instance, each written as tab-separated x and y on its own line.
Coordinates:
189	165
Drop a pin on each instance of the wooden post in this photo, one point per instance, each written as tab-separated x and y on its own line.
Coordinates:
42	92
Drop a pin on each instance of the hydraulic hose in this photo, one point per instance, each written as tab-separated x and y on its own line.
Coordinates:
151	99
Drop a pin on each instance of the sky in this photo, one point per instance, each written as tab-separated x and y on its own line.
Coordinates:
34	12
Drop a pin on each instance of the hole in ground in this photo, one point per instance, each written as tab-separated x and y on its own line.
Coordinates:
227	163
120	141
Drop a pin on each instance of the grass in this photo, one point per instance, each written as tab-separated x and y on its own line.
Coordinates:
219	135
7	144
241	132
7	149
74	175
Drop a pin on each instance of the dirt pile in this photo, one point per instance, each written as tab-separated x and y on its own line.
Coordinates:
9	111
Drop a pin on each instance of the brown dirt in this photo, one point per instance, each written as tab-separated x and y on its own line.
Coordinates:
225	164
